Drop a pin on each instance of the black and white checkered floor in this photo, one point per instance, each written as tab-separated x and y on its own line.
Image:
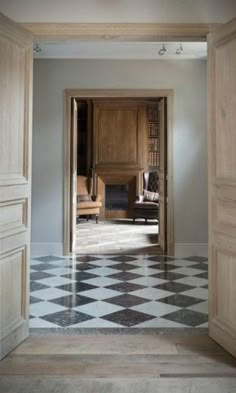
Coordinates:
118	291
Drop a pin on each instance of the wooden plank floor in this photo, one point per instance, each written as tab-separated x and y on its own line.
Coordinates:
70	363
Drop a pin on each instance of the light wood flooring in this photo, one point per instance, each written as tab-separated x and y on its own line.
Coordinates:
117	237
115	364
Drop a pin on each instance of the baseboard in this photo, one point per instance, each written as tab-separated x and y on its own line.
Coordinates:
183	250
41	249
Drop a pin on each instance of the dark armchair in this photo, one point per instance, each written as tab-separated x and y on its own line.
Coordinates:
147	204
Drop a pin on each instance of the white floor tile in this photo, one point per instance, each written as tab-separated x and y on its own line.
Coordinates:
159	323
183	263
55	281
145	271
97	323
103	271
188	271
148	281
192	280
59	271
155	308
50	293
102	281
98	309
200	307
200	293
151	293
44	308
40	323
100	293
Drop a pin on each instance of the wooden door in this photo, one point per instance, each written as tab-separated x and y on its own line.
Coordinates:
222	186
73	155
15	182
162	176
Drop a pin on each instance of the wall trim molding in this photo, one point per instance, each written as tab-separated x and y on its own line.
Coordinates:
69	136
183	250
59	32
42	249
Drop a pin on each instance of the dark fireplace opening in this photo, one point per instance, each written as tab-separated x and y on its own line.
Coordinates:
117	196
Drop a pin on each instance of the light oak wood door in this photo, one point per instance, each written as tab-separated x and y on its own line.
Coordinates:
222	186
15	182
162	176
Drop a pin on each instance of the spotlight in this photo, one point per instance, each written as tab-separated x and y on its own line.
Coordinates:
179	50
37	49
163	50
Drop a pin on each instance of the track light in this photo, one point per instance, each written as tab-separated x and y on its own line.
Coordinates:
163	50
179	50
37	49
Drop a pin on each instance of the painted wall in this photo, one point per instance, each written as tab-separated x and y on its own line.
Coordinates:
187	78
172	11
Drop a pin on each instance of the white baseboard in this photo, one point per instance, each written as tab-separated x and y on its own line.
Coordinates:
43	249
183	250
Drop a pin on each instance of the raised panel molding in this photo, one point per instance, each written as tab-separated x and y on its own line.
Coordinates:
13	310
13	217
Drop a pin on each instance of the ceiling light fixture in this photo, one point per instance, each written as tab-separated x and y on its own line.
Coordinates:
37	49
163	50
179	50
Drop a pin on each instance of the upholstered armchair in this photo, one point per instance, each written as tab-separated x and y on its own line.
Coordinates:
87	204
147	204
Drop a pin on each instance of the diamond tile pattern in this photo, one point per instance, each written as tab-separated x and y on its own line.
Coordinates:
118	291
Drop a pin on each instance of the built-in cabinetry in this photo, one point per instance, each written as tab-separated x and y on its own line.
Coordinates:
153	122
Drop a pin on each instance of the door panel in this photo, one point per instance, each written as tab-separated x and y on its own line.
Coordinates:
73	204
15	182
162	176
222	186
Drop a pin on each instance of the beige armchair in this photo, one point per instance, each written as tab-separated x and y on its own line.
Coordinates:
87	204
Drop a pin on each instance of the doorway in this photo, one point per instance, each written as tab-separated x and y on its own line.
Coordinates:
91	159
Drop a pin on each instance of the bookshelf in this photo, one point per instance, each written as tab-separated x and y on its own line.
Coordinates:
153	136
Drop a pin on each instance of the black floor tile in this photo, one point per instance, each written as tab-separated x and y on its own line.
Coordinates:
34	300
187	317
125	287
80	276
128	317
125	276
123	266
127	300
173	286
34	276
196	259
161	258
83	266
49	258
87	258
202	275
72	301
123	258
180	300
44	266
163	266
76	287
168	276
36	286
66	318
200	266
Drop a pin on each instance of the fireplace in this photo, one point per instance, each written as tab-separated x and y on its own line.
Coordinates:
117	196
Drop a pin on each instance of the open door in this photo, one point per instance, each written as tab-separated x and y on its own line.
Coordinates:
15	182
73	193
162	177
222	186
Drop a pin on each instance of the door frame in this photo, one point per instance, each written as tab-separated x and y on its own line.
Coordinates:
69	95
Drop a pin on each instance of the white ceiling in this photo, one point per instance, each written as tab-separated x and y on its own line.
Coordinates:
121	50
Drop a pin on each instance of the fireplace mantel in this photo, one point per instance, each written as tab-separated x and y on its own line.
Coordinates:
131	177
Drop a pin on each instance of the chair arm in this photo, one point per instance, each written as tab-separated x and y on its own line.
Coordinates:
96	198
139	198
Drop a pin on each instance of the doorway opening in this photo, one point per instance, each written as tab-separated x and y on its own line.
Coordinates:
120	153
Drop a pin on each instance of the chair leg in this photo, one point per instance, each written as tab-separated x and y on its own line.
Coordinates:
96	218
146	219
87	218
133	220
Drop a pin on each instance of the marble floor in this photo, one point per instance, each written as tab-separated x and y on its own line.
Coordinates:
117	236
118	291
